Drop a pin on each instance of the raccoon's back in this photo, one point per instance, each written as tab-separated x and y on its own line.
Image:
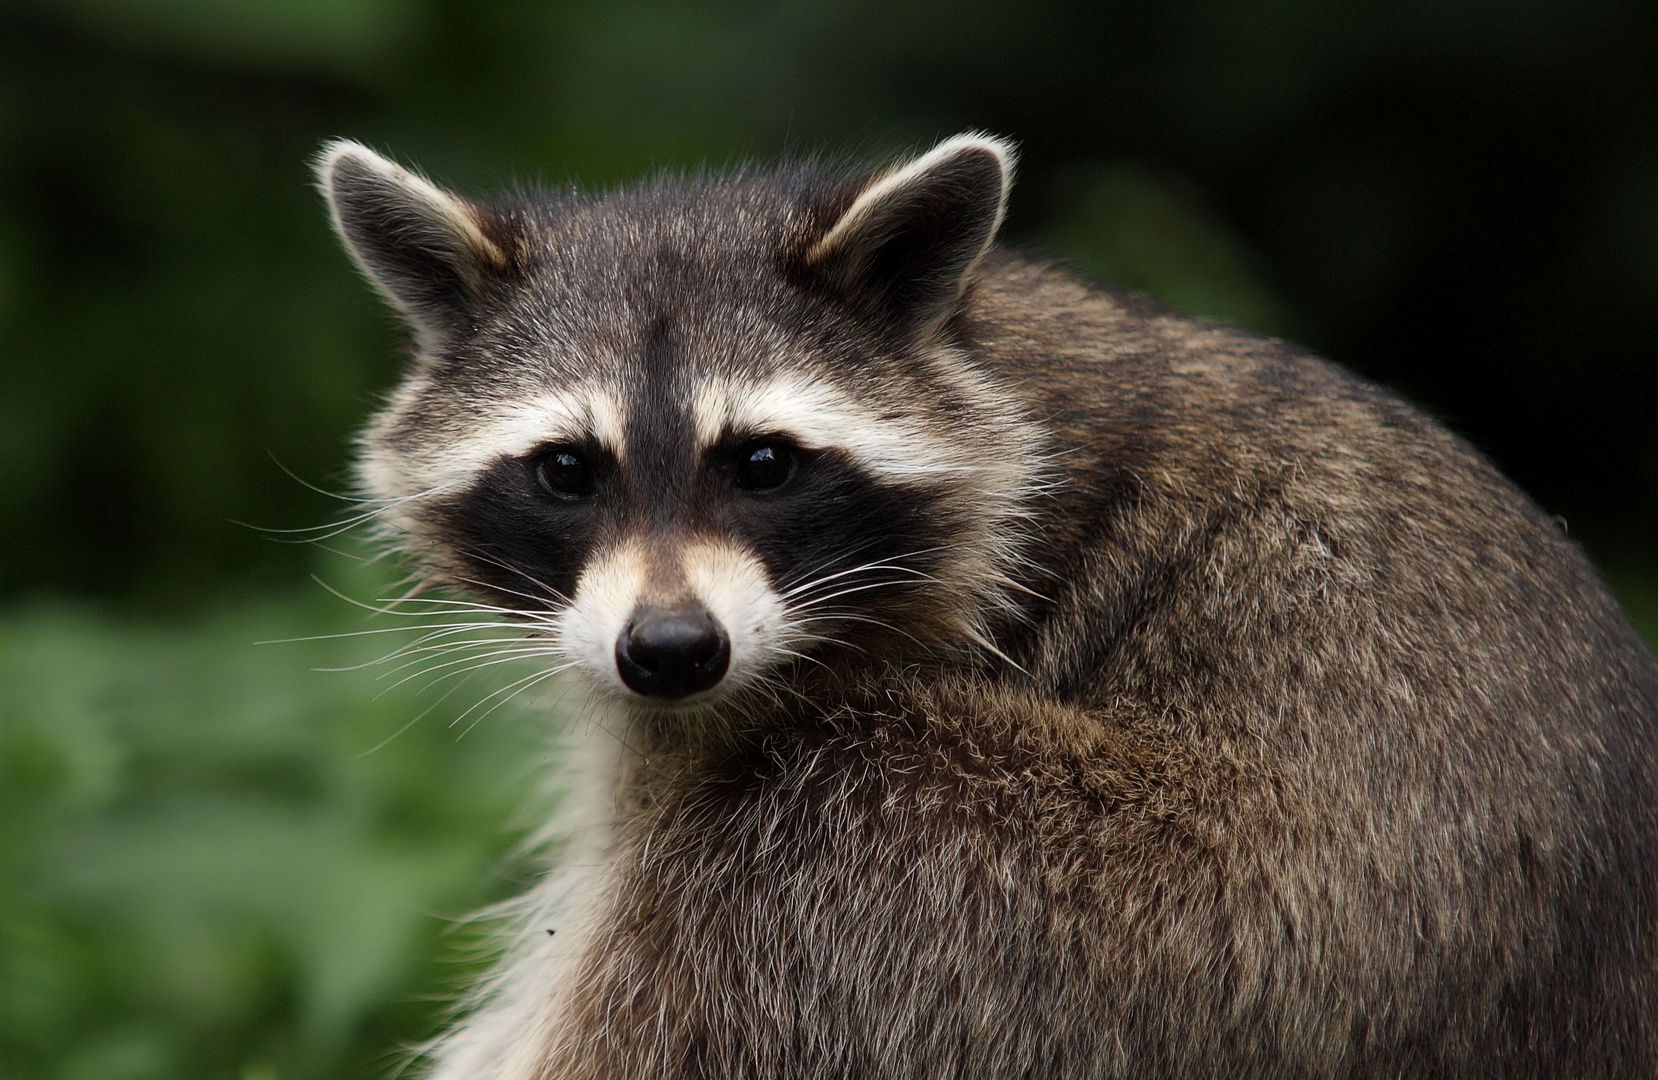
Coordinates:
1444	722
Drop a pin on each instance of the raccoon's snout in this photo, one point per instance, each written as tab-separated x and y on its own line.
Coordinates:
671	654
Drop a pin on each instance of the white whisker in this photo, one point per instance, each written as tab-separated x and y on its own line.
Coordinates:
504	656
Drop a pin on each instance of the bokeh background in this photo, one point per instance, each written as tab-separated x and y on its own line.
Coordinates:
217	861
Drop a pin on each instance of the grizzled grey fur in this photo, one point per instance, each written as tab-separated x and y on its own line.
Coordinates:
1104	693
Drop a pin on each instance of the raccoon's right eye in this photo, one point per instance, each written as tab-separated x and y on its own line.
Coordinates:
564	473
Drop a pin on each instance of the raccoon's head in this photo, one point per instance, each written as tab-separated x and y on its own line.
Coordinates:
701	431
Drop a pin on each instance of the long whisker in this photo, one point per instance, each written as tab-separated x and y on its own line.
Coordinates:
369	633
389	609
539	675
887	562
464	671
522	648
850	590
511	569
418	717
369	509
426	645
438	601
807	573
541	678
507	655
867	568
550	592
838	616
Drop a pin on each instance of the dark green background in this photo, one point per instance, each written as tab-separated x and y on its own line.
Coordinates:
202	873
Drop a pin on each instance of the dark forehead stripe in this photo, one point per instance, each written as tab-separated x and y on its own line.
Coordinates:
660	432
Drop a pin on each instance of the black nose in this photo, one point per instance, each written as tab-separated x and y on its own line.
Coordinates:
672	654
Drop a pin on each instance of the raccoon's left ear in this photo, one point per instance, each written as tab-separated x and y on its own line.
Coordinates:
906	247
427	251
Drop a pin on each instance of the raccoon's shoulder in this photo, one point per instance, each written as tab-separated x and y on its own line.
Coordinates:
1119	378
1175	434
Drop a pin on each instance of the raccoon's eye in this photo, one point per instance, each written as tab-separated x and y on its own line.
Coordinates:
562	472
764	465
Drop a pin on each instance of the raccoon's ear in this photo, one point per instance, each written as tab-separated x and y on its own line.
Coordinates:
426	250
907	245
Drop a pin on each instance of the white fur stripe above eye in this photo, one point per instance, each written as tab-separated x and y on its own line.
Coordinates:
818	415
515	429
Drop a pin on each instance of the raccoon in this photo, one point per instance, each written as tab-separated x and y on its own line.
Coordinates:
992	674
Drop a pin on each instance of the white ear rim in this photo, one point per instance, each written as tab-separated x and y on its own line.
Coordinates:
447	214
903	176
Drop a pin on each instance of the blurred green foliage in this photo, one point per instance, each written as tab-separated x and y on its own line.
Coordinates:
201	872
1151	234
214	860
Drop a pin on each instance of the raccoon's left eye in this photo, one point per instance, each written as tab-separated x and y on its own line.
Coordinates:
764	465
564	473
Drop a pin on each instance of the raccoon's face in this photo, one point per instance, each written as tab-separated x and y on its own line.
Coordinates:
700	432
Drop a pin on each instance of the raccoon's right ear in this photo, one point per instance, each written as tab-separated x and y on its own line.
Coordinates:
427	251
906	247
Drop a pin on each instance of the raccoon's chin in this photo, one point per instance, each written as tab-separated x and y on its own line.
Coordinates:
691	706
708	701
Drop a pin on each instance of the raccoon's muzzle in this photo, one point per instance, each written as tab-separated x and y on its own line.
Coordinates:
672	653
